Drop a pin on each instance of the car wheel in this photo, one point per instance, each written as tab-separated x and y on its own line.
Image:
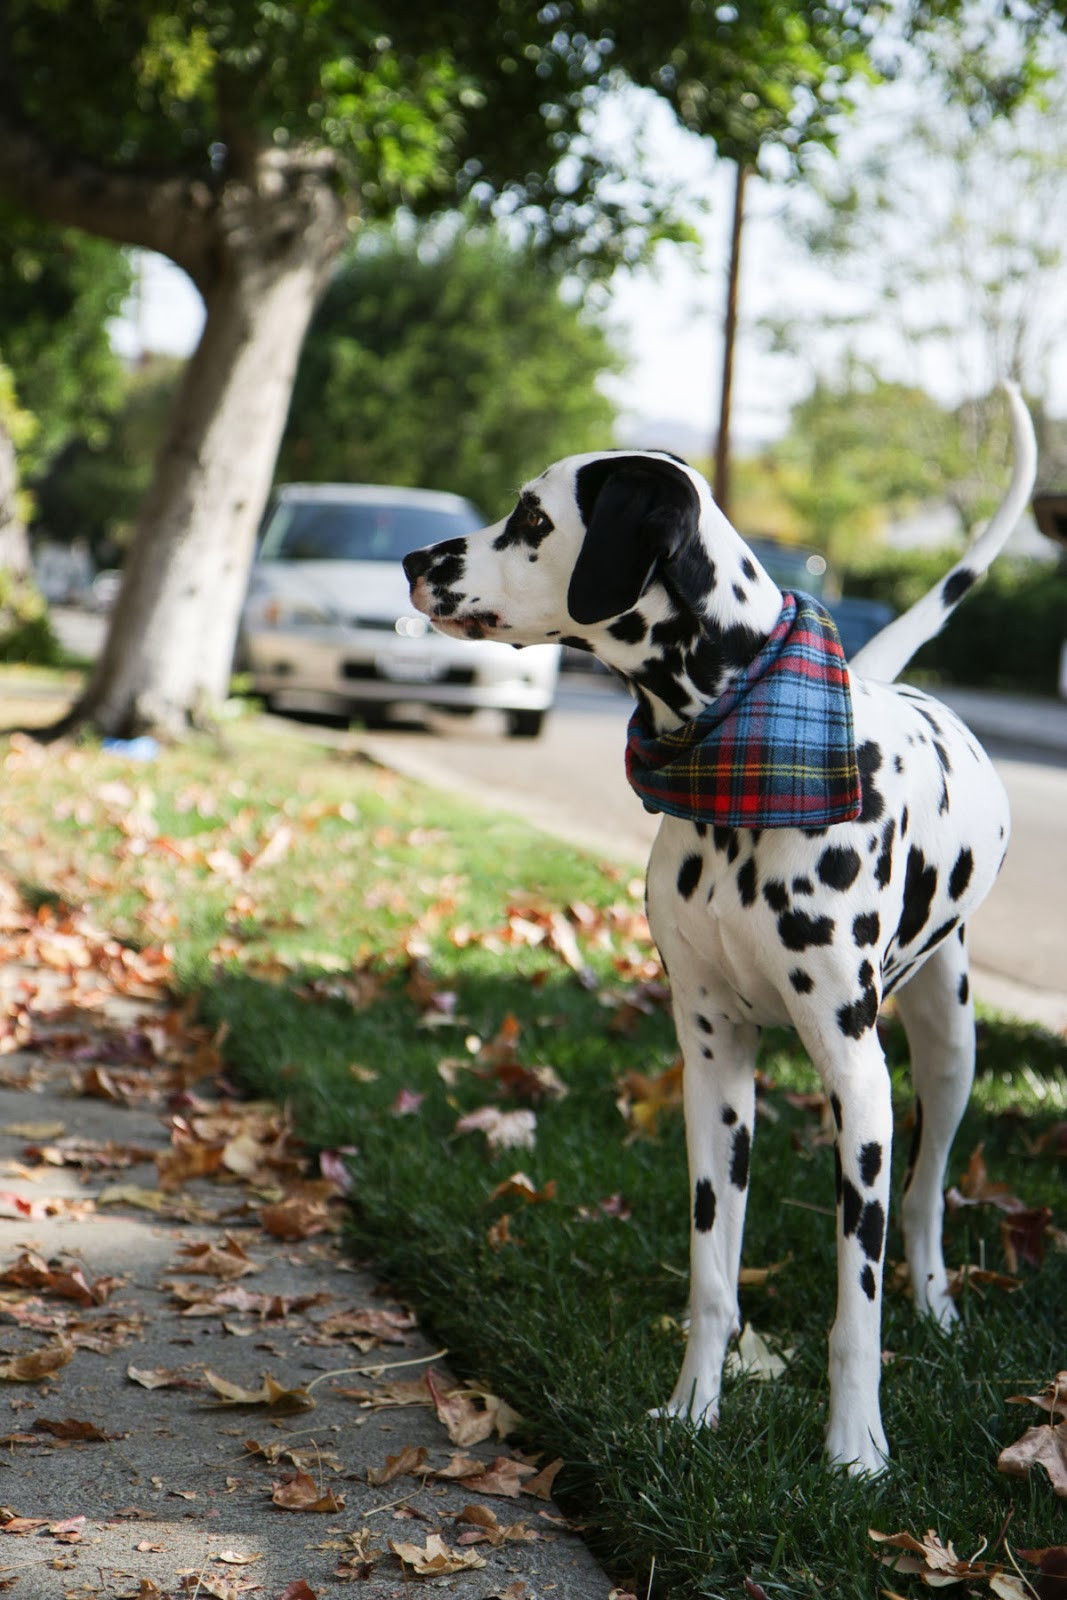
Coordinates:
525	724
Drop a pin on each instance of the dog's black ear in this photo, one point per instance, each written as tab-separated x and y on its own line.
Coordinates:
637	511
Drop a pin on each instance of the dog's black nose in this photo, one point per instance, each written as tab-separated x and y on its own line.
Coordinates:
417	563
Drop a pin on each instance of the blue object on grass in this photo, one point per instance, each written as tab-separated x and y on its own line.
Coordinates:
144	748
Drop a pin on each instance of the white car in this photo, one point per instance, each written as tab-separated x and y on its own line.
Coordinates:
328	627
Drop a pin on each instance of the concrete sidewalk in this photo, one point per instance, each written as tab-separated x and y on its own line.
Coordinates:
116	1487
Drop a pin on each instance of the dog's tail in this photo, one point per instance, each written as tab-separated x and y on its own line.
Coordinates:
889	652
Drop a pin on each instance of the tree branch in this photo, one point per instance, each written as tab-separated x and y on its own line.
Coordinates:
167	213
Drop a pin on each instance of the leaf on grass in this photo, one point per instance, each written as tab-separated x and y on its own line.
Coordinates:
756	1277
1044	1446
36	1364
434	1559
302	1493
270	1393
520	1187
754	1357
504	1130
1052	1398
641	1099
411	1459
1022	1236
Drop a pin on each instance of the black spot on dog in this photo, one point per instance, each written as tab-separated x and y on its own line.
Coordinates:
748	569
689	875
721	836
704	1206
835	1107
956	585
920	884
527	526
870	1162
883	867
739	1158
960	876
838	866
703	1024
855	1018
707	1053
851	1207
574	642
898	763
774	892
871	1230
942	804
939	934
702	829
798	931
869	760
740	594
729	1116
963	993
746	881
903	822
837	1174
942	756
630	628
803	885
866	928
868	1283
801	981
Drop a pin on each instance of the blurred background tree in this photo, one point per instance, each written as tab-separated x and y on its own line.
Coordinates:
444	357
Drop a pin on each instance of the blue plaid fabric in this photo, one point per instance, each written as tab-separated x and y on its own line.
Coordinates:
777	750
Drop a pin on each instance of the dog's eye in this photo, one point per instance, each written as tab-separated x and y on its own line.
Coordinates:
533	517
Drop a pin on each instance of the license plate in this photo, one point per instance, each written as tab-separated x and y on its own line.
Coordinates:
409	666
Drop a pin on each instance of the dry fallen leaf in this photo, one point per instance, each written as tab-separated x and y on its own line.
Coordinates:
753	1357
162	1378
270	1393
302	1493
70	1429
504	1130
36	1364
411	1459
1044	1446
217	1261
434	1559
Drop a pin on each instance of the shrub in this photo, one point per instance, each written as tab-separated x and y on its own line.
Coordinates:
26	633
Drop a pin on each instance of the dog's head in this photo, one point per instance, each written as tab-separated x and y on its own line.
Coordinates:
579	549
588	539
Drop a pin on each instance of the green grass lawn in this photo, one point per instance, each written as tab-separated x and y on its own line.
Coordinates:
388	961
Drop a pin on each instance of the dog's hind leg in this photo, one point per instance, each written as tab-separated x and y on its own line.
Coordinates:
937	1011
719	1097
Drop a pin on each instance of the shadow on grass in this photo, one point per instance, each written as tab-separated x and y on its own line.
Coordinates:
576	1317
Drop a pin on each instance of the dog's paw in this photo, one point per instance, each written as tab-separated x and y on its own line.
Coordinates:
690	1410
860	1451
933	1300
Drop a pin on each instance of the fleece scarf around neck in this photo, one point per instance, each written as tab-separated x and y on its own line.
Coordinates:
776	750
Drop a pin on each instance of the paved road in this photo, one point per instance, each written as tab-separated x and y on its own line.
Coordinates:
571	782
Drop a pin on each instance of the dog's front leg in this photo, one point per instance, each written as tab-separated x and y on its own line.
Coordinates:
719	1098
857	1081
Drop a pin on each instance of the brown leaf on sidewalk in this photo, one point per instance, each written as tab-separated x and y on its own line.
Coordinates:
270	1393
72	1430
217	1261
67	1280
410	1460
366	1326
36	1364
504	1477
297	1218
489	1530
466	1421
302	1493
162	1378
540	1486
434	1559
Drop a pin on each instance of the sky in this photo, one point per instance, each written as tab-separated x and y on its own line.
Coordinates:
666	320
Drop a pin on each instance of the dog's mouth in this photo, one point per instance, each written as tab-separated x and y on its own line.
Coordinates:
475	625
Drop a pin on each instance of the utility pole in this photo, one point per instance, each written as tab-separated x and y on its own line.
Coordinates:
722	440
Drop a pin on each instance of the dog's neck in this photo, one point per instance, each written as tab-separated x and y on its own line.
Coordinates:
704	622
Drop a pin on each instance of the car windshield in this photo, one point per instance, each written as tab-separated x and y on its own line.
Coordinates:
333	530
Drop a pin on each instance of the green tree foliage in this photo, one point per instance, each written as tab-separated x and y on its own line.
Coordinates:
441	357
859	454
93	488
57	290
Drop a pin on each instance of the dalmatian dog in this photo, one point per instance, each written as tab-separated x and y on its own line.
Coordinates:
627	555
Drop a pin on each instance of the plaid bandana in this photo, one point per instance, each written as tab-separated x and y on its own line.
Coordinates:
776	750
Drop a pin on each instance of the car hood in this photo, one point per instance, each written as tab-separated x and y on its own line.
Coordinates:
376	589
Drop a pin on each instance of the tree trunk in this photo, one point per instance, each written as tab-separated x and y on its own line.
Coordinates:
166	661
722	440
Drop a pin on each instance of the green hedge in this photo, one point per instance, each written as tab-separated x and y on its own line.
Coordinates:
26	634
1007	634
